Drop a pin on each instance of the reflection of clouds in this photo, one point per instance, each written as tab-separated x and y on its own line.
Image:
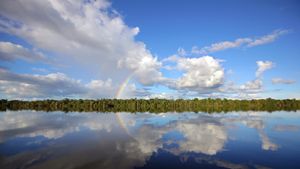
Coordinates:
202	133
13	120
258	124
52	125
255	120
202	137
286	127
220	163
148	139
266	143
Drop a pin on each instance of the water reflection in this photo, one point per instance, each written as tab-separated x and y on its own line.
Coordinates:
170	140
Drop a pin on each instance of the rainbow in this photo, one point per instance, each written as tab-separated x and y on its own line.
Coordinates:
123	87
118	96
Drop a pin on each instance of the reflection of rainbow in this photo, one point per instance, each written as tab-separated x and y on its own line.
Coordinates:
121	122
119	95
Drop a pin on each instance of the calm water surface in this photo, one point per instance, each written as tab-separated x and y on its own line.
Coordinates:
234	140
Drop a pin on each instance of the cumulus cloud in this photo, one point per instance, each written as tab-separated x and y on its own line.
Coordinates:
10	52
89	32
204	76
240	42
282	81
202	73
145	68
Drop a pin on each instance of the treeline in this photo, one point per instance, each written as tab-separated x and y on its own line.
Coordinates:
152	105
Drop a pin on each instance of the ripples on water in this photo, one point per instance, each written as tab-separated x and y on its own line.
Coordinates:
241	140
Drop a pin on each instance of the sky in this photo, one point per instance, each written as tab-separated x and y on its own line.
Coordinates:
89	49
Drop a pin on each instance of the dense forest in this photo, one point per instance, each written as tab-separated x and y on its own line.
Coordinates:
152	105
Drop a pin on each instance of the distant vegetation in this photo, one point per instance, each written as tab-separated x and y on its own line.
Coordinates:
152	105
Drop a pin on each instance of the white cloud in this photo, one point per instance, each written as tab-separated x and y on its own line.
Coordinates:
199	73
26	85
220	46
162	95
254	85
57	85
240	42
11	52
262	67
89	33
145	68
282	81
267	38
213	83
250	89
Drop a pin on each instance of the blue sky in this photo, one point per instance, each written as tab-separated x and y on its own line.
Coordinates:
145	49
